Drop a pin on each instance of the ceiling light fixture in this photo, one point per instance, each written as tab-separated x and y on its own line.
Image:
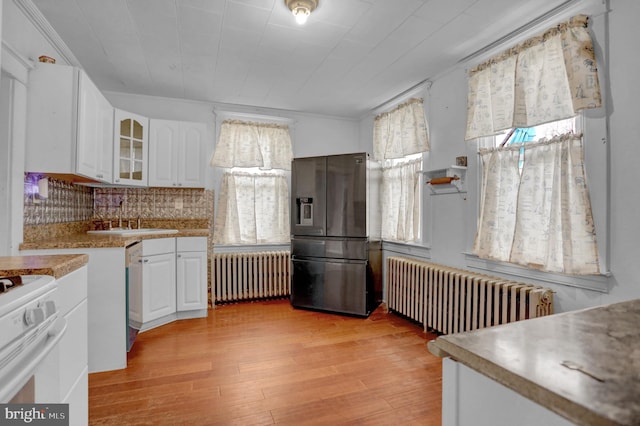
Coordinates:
301	9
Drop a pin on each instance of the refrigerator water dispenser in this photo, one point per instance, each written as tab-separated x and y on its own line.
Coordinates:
305	211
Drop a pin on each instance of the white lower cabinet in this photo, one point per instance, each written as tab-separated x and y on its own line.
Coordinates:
158	272
152	284
74	347
470	398
168	281
191	273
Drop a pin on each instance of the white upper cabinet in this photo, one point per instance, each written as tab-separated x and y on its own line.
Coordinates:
176	153
95	127
69	124
131	148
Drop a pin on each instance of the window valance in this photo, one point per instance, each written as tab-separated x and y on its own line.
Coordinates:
401	131
250	144
549	77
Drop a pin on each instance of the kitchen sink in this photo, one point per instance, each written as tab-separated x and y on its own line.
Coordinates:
129	231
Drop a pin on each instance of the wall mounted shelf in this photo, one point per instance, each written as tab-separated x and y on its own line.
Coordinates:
446	181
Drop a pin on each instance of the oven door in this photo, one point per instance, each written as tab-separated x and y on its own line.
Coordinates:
34	376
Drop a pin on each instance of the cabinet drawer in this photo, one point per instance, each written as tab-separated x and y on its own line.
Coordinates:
158	246
191	244
72	289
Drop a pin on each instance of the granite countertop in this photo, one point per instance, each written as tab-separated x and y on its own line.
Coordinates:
583	365
55	265
85	240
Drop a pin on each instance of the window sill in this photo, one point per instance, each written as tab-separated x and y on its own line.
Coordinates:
249	248
599	283
409	249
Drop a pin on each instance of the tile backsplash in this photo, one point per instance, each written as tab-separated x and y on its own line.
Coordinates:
150	203
65	202
68	202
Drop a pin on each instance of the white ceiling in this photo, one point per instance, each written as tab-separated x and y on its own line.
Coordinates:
350	56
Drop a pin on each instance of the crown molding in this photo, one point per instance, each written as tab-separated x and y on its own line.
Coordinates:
44	27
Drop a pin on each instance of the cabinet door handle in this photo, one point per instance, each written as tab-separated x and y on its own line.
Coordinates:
143	260
179	256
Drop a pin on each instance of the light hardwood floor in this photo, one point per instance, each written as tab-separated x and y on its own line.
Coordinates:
267	363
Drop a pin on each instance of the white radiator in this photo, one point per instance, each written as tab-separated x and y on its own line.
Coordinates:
449	300
250	276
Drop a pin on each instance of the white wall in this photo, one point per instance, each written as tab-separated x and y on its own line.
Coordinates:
450	219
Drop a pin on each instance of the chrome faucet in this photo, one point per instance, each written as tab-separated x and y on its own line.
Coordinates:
120	214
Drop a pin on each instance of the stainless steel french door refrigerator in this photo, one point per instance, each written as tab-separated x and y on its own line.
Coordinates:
335	234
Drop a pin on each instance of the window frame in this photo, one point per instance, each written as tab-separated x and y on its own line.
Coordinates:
592	124
218	172
597	157
398	161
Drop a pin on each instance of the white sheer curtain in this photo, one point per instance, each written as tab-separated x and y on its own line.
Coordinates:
546	78
498	201
253	204
554	229
542	217
400	197
253	209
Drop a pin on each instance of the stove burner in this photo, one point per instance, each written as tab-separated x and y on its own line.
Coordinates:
7	283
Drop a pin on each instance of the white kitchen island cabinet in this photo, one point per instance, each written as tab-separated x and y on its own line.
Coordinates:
577	367
74	127
176	153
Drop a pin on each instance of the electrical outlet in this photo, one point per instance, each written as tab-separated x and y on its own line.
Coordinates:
178	203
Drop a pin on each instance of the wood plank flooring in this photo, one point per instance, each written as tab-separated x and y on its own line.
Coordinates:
266	363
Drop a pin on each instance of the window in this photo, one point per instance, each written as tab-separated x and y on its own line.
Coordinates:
400	196
535	208
253	201
400	136
547	131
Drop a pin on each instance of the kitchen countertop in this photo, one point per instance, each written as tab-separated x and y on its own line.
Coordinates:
85	240
55	265
602	344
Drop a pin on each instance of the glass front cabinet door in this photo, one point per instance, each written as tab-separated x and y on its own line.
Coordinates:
131	148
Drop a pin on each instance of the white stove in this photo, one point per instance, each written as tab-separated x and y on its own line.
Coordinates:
31	329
